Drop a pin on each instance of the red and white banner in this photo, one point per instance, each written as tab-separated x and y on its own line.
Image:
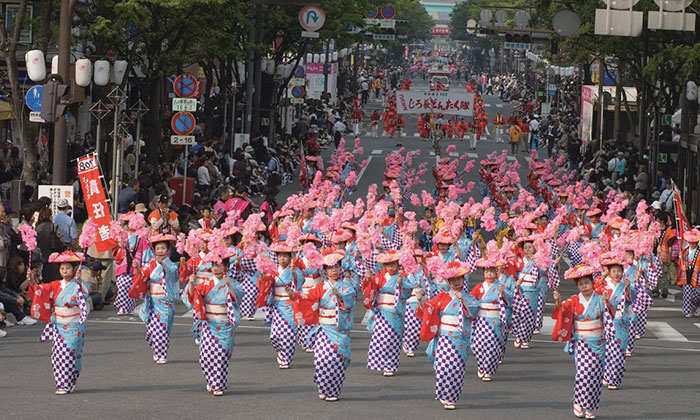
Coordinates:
683	226
95	200
440	31
442	102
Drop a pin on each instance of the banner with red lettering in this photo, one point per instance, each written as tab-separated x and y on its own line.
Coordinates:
682	226
442	102
95	200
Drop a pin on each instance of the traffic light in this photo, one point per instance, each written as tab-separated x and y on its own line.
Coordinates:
53	100
518	38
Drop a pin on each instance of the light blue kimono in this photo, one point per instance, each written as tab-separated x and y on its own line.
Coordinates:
393	314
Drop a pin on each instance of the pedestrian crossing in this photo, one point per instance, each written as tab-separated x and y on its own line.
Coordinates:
470	155
657	330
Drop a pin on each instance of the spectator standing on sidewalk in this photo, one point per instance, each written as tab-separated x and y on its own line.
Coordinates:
515	134
65	223
668	249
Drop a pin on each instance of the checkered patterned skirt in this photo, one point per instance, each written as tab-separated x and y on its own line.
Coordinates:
589	376
283	335
691	299
158	334
614	361
214	358
250	294
523	317
487	348
123	301
411	333
65	362
449	370
384	346
307	336
329	372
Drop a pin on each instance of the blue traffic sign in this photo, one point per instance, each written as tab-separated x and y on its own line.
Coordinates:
185	86
33	98
183	123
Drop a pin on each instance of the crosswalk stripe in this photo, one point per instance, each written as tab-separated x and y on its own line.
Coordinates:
416	134
663	331
472	155
432	153
499	105
511	158
527	158
454	154
377	151
697	324
672	295
487	105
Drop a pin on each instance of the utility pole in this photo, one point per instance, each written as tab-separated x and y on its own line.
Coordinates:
249	78
601	100
60	137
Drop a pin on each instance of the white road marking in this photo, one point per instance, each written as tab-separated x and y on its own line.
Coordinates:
377	152
416	134
697	324
510	158
527	158
472	155
547	326
499	105
663	331
362	171
672	295
432	153
454	154
487	105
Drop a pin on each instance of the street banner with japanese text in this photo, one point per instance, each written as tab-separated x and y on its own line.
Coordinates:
95	200
439	102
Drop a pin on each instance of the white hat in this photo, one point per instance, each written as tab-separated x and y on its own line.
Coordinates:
63	203
656	205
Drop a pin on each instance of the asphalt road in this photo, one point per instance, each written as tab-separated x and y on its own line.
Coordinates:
120	381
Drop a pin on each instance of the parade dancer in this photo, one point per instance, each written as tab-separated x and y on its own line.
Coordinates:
195	270
312	276
334	299
156	283
124	264
621	293
488	328
62	305
506	276
215	302
499	121
385	295
579	323
689	279
526	295
279	314
249	270
645	280
446	325
411	335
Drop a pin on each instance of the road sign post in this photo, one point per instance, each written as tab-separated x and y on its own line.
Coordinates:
185	86
311	18
33	98
182	123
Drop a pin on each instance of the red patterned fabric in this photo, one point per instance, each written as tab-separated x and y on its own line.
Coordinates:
266	283
139	286
43	297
